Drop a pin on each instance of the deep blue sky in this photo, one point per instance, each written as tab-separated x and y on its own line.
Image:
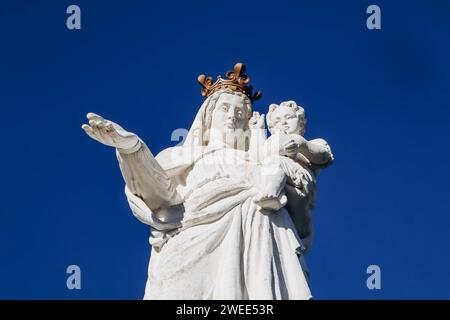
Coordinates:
381	99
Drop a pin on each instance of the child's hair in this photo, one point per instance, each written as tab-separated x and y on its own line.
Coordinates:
299	111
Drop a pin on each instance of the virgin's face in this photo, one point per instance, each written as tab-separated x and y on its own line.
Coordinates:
229	121
285	119
229	114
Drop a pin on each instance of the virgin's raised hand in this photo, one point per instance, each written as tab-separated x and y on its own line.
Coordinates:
109	133
256	121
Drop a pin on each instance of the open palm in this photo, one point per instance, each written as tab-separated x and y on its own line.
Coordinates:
109	133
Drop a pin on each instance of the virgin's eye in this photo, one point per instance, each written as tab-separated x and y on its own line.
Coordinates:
239	113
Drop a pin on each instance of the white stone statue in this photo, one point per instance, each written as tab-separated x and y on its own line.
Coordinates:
229	210
286	156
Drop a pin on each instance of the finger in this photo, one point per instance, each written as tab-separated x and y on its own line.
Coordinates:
289	145
112	132
89	131
102	129
99	132
97	126
109	131
290	142
109	127
93	116
262	119
100	124
86	128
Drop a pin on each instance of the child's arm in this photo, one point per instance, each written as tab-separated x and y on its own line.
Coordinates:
257	137
314	152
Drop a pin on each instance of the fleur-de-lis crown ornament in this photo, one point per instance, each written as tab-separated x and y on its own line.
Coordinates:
236	80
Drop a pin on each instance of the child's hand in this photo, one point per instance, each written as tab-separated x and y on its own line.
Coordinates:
293	145
291	148
256	121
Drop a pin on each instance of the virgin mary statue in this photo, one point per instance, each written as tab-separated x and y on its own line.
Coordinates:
209	239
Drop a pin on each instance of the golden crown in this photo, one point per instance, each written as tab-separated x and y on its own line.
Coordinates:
236	81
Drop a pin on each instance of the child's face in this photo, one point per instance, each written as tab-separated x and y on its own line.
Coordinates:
285	120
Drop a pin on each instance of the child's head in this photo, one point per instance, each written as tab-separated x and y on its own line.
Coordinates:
287	117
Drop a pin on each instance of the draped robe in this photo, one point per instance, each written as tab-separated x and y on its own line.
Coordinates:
216	244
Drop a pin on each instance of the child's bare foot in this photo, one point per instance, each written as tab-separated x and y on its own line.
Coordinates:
270	202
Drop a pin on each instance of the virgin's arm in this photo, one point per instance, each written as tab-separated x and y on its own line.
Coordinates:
257	137
146	179
143	175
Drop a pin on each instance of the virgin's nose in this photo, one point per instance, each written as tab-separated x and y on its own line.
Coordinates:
231	114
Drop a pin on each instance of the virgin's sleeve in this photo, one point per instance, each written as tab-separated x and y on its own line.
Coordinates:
150	178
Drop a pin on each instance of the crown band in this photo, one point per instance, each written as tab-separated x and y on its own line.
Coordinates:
236	81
